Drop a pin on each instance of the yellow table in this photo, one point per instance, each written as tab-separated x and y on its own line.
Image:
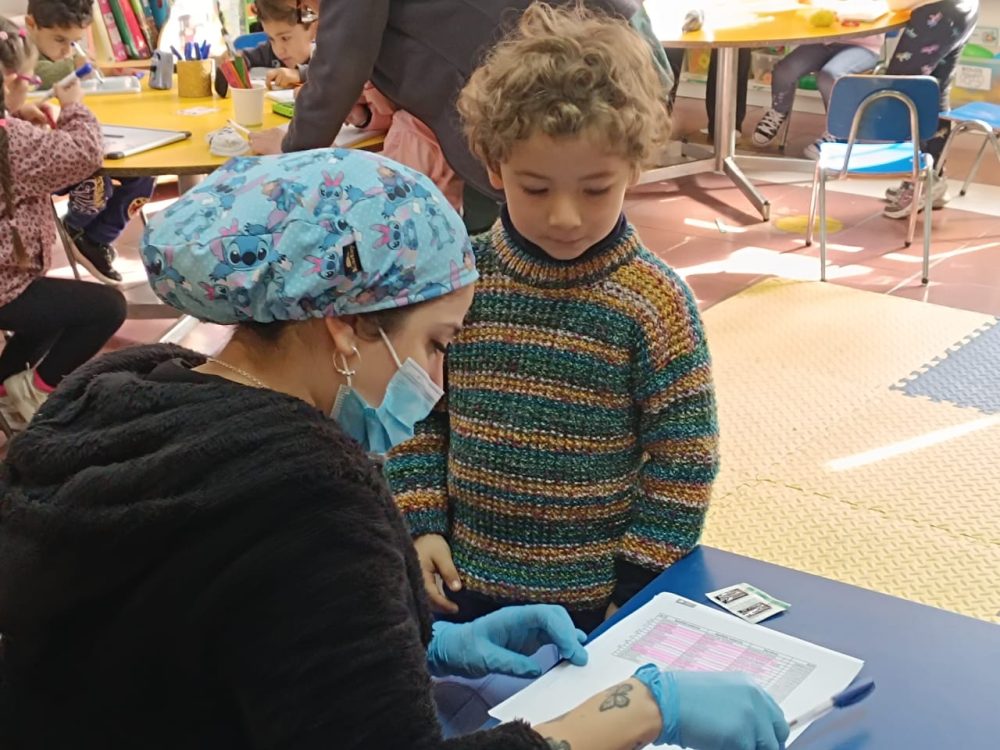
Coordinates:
165	109
729	25
153	108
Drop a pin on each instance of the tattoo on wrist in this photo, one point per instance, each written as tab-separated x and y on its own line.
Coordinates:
617	697
555	744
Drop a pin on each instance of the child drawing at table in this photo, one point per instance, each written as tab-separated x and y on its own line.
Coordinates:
286	52
574	456
57	324
99	209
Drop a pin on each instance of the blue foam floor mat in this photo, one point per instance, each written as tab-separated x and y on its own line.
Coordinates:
967	375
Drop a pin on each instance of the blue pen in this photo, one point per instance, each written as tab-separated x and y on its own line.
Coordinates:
841	700
177	55
187	51
205	47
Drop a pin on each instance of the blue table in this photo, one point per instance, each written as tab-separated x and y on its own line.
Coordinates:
937	674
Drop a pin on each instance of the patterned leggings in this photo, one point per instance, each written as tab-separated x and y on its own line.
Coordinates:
930	45
102	209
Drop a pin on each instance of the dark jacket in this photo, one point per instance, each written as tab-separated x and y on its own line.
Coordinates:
261	56
186	562
419	54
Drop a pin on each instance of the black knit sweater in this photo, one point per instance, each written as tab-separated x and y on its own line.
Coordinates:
192	563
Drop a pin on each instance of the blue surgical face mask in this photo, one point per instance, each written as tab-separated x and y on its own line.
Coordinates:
409	398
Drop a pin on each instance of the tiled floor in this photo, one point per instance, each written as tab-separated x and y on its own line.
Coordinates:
678	221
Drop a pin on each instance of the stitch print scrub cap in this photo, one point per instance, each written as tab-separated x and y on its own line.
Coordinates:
319	233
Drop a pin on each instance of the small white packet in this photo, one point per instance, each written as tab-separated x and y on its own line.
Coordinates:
747	602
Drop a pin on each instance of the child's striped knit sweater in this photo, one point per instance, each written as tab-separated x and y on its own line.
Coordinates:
580	425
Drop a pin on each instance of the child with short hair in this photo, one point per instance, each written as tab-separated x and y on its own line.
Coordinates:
574	458
288	48
99	210
57	324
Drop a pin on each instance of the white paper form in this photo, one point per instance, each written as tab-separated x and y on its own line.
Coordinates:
676	633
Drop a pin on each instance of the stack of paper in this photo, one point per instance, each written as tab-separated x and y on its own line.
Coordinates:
675	633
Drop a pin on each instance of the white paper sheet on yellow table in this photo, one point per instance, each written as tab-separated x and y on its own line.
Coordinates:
348	136
676	633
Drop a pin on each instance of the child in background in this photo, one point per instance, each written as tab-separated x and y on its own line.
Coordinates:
57	324
930	45
408	140
574	458
287	50
99	210
829	62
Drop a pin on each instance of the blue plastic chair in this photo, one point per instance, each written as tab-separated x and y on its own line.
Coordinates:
881	121
976	117
248	41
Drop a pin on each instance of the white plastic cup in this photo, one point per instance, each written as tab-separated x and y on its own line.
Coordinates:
248	105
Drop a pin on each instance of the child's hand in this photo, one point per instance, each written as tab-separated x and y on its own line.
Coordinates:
283	78
435	557
70	93
40	115
360	115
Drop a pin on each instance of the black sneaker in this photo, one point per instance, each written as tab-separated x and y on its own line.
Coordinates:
96	257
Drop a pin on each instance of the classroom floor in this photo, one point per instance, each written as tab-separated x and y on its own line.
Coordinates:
704	228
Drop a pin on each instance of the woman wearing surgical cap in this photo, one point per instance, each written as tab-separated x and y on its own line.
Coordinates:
199	553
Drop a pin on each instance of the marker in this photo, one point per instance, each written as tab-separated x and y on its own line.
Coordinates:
82	72
841	700
240	129
177	55
82	53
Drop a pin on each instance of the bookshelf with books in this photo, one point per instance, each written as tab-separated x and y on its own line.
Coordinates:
124	33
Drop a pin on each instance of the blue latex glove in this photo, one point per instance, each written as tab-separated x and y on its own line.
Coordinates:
503	642
714	710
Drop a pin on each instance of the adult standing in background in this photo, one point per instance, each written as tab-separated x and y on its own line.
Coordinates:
419	55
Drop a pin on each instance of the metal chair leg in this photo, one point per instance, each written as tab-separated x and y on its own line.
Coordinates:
785	127
975	167
928	210
920	189
822	225
812	206
67	243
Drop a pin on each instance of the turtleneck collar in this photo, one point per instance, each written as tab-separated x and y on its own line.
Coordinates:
530	264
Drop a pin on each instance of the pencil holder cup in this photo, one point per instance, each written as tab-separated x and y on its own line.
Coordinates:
248	105
194	78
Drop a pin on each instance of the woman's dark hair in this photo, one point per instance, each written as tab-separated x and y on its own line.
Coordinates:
63	14
15	50
278	10
368	324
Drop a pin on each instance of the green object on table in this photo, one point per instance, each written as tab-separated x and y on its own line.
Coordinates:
976	51
808	82
285	109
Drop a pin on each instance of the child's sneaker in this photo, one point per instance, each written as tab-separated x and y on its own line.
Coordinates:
903	205
768	127
23	394
812	150
892	194
96	257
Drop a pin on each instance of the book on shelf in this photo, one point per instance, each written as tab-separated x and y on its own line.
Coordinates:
126	30
102	9
131	32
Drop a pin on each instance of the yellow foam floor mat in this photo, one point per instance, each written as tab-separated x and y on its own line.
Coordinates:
826	469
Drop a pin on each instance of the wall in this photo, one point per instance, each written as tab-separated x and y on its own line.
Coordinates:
12	7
